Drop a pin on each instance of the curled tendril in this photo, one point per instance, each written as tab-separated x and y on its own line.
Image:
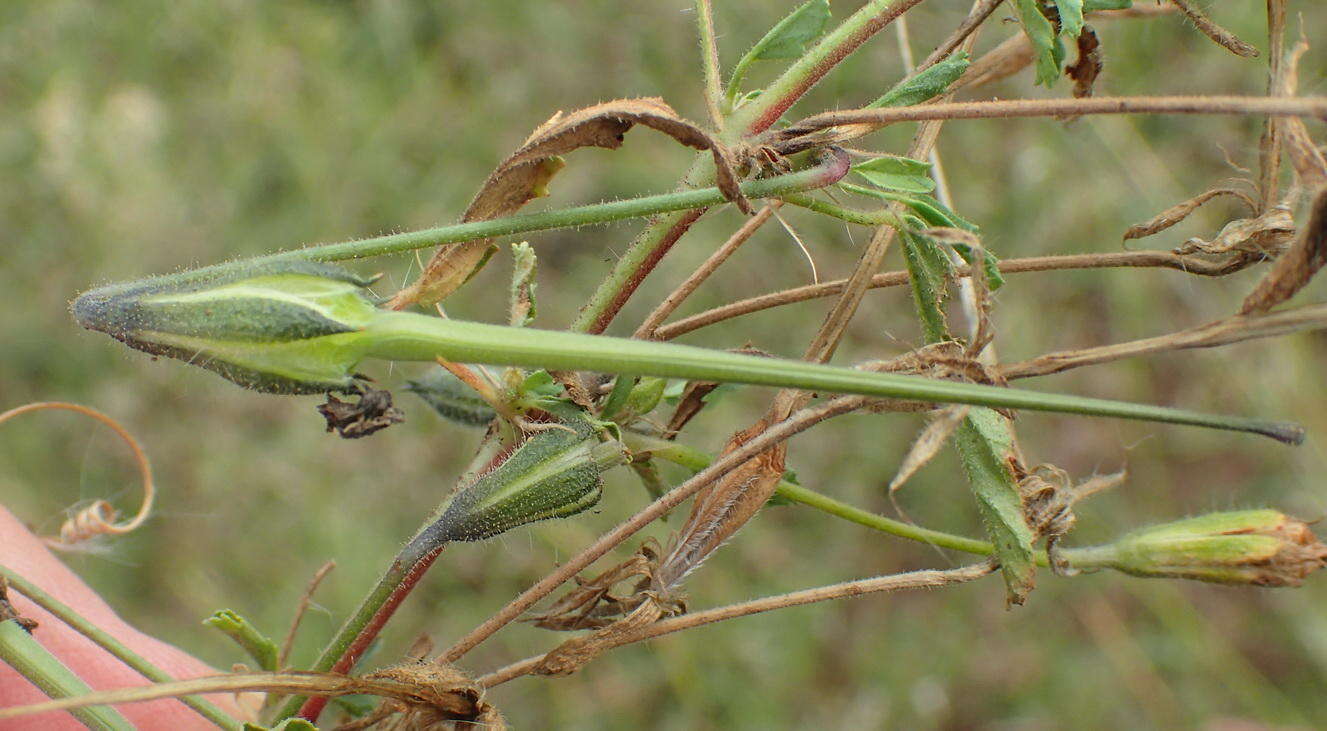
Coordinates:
99	517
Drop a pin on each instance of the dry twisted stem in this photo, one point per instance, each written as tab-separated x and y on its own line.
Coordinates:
1204	266
926	579
1221	332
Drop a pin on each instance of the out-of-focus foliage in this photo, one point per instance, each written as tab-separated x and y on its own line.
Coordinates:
141	137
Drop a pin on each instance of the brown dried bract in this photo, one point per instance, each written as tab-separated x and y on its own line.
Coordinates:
524	176
444	697
928	444
352	420
721	509
1181	211
592	604
1297	266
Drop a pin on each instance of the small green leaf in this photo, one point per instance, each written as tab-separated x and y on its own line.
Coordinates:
1042	34
617	398
926	85
541	383
931	211
523	306
897	173
1071	17
788	38
991	263
263	650
985	444
1090	5
929	270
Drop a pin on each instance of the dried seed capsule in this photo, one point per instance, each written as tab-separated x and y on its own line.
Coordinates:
1258	547
554	474
281	328
452	399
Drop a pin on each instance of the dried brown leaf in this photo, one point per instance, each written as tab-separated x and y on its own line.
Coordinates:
525	175
1297	266
721	509
1267	235
1181	211
928	444
1087	68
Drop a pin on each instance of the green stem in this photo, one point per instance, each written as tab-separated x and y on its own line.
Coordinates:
113	646
1087	558
709	60
409	336
34	662
815	177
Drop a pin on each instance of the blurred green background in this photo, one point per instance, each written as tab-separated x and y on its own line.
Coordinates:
142	137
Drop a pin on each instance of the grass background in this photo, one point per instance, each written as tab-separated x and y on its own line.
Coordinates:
142	137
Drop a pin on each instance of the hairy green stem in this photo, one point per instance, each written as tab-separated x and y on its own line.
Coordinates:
1086	558
827	172
37	664
104	640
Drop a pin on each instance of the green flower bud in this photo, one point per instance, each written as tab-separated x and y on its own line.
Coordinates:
553	474
281	328
452	399
1257	547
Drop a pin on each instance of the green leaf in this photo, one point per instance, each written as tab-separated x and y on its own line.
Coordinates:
985	444
1071	17
1042	35
897	173
931	211
541	383
617	398
263	650
929	270
788	38
926	85
989	261
523	306
1090	5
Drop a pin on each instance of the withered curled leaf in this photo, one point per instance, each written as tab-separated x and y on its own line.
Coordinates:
1181	211
525	174
1297	266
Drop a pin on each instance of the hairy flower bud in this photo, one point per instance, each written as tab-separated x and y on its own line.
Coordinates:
1258	547
553	474
281	328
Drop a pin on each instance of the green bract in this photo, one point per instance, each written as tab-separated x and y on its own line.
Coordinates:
282	328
